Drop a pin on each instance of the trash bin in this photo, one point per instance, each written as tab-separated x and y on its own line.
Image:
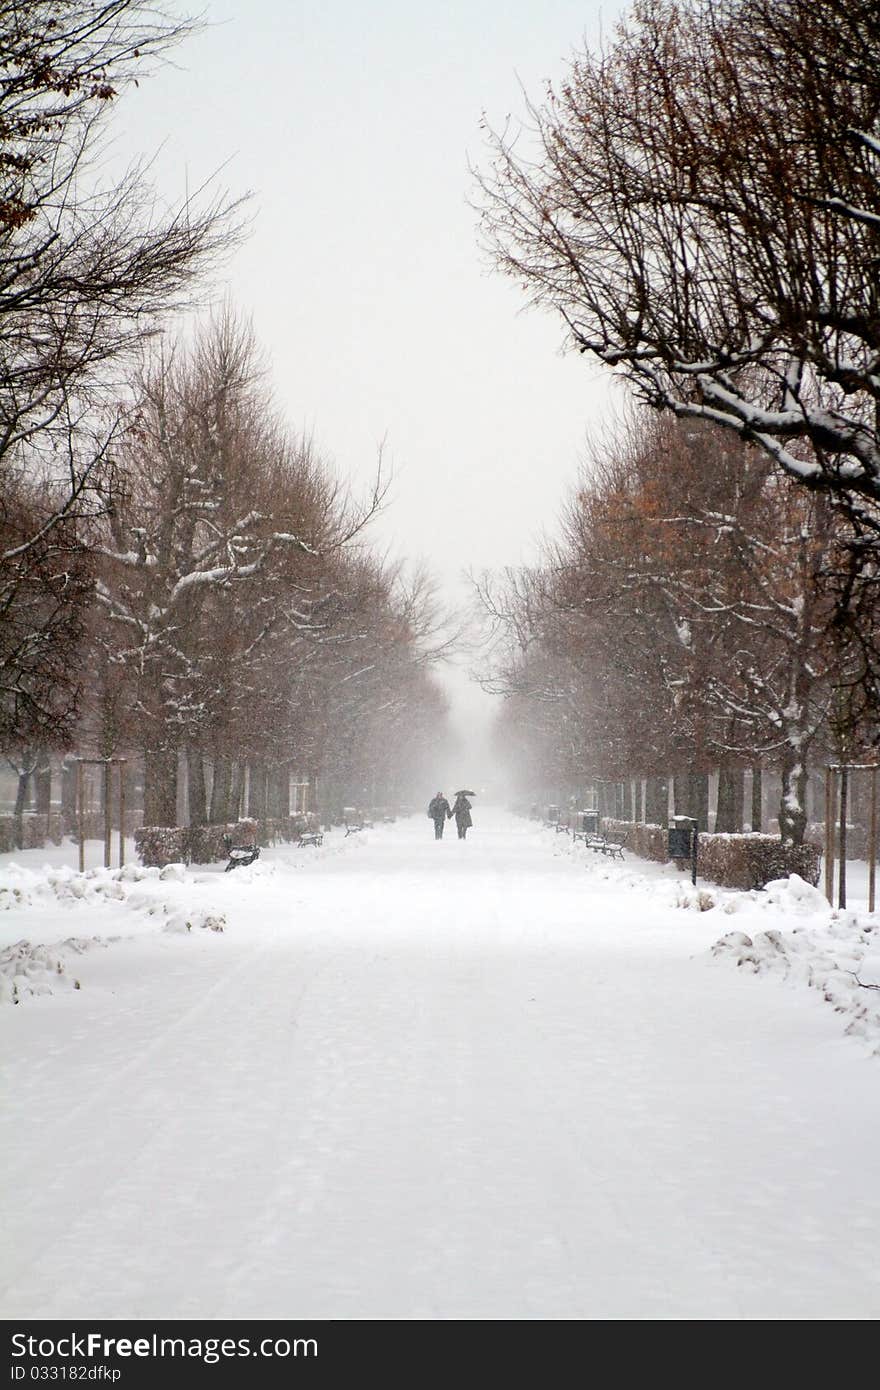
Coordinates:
682	843
679	846
588	822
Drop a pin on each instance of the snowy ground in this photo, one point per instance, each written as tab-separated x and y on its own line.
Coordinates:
402	1079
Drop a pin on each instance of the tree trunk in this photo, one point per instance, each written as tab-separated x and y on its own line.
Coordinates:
279	794
757	799
792	805
691	796
699	793
43	788
68	797
220	790
656	801
258	792
160	786
21	796
195	777
728	816
235	791
739	800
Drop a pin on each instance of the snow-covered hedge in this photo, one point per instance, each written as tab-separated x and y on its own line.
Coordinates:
733	861
856	839
36	830
751	861
647	841
205	844
158	845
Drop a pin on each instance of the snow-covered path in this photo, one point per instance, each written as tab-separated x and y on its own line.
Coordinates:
435	1080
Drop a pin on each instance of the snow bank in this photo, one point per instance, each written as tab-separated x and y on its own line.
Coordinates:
793	933
838	956
26	969
38	907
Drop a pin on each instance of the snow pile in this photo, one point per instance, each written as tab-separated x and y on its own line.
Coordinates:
28	969
23	887
13	897
151	891
199	917
697	899
794	895
36	908
836	953
791	896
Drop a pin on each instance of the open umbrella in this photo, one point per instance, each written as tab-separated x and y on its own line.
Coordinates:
465	793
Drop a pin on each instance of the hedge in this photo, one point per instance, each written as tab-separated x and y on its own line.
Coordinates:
732	861
856	839
750	861
36	829
158	845
647	841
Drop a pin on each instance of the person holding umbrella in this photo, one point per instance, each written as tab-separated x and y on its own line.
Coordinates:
462	812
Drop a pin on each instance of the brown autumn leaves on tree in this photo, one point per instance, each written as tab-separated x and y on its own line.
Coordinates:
179	572
243	620
700	203
87	270
681	622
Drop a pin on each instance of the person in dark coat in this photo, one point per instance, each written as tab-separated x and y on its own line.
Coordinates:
462	812
439	811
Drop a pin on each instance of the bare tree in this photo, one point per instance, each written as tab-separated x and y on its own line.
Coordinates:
45	588
684	620
703	210
221	545
86	271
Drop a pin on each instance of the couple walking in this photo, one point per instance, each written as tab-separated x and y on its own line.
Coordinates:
440	811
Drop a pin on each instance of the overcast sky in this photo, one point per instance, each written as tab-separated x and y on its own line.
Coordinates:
353	123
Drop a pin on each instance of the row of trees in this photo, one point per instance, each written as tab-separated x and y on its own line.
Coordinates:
685	619
239	615
179	572
699	202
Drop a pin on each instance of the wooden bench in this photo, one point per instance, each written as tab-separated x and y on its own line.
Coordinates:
580	831
612	845
586	835
240	855
311	837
